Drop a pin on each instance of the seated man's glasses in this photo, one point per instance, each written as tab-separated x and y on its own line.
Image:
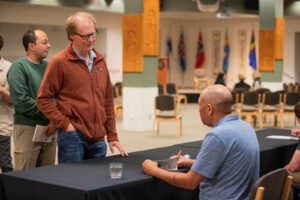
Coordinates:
87	36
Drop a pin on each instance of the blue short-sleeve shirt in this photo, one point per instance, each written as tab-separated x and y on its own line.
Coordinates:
229	160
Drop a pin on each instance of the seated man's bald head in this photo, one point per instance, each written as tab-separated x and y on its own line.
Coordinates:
219	96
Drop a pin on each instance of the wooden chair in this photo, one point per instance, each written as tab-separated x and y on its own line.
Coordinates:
262	90
285	87
165	111
236	99
201	81
289	101
161	89
118	106
172	89
250	107
291	87
274	185
297	87
271	105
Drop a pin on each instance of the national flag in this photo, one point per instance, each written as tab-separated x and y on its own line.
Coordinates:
181	53
169	49
226	53
200	53
252	53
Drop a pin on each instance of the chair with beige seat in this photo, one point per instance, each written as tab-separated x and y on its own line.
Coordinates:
166	111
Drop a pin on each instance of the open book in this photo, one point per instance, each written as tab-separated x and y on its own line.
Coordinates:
40	136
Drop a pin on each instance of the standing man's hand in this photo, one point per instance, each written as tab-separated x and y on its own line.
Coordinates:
50	130
119	147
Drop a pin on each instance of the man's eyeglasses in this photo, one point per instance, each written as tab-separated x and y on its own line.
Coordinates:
87	36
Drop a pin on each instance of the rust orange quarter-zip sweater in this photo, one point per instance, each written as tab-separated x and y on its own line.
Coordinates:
81	97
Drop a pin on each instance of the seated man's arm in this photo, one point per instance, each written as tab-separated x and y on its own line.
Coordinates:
294	165
188	180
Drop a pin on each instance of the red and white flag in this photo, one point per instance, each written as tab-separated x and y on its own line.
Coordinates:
200	53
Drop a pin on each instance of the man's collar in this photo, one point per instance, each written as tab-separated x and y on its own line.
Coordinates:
92	53
227	118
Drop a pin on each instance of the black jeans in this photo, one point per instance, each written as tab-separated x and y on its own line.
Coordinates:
5	158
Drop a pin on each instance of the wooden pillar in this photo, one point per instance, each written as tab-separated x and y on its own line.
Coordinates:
140	64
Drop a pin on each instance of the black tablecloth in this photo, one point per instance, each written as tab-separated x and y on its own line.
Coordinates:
90	179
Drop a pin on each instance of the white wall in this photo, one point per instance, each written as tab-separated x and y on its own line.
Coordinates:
172	28
292	25
16	18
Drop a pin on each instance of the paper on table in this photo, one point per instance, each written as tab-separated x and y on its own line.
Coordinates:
39	135
169	164
282	137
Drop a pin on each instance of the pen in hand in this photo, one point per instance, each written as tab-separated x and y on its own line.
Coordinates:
178	154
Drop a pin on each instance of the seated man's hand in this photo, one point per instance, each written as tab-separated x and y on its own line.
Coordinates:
149	167
184	162
295	132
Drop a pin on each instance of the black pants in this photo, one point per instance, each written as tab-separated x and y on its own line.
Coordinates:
5	158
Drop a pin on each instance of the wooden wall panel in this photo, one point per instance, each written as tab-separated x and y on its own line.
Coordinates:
266	50
151	28
279	39
132	43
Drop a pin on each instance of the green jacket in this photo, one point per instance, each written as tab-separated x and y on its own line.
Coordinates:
24	79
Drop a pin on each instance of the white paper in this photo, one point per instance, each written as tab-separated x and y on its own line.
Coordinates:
282	137
40	136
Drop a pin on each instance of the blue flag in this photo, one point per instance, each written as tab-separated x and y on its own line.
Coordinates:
252	53
226	54
181	53
169	49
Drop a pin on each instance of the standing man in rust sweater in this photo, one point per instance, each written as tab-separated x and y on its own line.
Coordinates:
78	79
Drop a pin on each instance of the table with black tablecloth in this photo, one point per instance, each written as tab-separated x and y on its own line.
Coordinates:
90	179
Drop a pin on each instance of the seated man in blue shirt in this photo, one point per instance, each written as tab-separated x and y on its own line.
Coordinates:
227	165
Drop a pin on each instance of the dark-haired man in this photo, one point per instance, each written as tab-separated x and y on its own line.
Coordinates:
6	115
294	165
24	78
227	165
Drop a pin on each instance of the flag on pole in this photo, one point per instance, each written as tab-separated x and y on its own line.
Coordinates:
252	53
226	53
181	53
200	53
169	49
